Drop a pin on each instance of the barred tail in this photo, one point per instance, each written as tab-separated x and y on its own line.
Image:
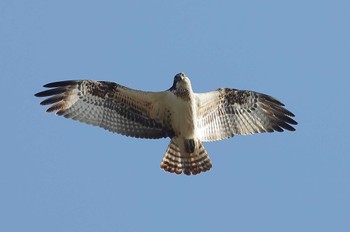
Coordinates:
179	161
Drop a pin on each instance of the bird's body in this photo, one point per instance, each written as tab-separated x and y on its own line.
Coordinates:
187	118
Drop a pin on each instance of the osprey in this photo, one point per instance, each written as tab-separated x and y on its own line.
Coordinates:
187	118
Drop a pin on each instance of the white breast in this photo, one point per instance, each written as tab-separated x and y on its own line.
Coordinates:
183	116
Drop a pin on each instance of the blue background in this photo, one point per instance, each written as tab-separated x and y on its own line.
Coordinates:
60	175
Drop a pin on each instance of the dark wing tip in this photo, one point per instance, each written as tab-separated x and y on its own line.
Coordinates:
52	100
56	94
271	99
292	121
284	120
61	83
286	126
51	92
58	87
281	118
290	114
38	94
286	123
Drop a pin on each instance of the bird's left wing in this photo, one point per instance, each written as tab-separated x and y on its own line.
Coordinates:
108	105
225	112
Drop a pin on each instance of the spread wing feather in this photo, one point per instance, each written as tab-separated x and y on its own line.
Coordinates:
226	112
108	105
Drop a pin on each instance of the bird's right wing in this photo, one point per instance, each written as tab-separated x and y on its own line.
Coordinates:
108	105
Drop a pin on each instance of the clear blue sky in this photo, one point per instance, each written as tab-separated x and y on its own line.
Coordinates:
58	175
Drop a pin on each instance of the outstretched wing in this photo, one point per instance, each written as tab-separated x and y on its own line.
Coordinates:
226	112
108	105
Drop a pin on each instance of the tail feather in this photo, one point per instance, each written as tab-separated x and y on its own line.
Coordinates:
177	161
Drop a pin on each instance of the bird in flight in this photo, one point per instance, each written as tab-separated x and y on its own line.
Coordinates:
187	118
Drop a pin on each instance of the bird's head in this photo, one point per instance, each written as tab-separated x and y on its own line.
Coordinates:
181	81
